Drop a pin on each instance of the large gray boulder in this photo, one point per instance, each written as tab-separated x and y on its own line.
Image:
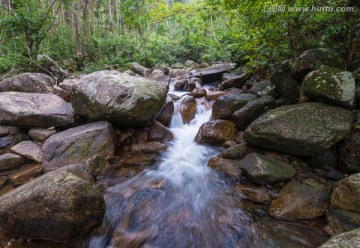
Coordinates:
57	206
301	130
122	99
78	144
330	85
29	82
34	109
264	170
288	76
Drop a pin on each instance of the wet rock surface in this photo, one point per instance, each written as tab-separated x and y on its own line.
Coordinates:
303	199
216	132
231	168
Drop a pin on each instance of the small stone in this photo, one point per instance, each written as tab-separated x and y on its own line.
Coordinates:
41	134
234	152
149	147
29	150
253	192
157	132
230	167
264	170
10	161
216	132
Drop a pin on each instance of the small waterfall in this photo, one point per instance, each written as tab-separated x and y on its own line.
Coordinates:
180	202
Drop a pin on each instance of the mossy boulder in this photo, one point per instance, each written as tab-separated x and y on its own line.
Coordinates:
288	76
76	145
330	85
119	98
301	130
57	206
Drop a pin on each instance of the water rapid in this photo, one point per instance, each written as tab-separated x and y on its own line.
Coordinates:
179	203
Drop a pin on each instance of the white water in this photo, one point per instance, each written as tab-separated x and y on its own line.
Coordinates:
179	203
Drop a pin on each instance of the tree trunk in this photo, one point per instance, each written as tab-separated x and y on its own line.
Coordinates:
85	3
77	33
111	24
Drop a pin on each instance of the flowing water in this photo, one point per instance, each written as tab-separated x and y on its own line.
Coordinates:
180	202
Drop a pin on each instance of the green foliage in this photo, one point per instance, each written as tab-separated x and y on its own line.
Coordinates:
162	32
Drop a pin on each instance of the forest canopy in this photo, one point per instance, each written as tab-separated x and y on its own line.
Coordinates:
108	34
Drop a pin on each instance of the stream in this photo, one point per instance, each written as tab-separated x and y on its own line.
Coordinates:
181	202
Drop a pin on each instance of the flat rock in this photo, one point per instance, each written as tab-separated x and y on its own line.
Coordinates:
265	170
34	109
57	206
29	150
301	130
77	144
213	73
